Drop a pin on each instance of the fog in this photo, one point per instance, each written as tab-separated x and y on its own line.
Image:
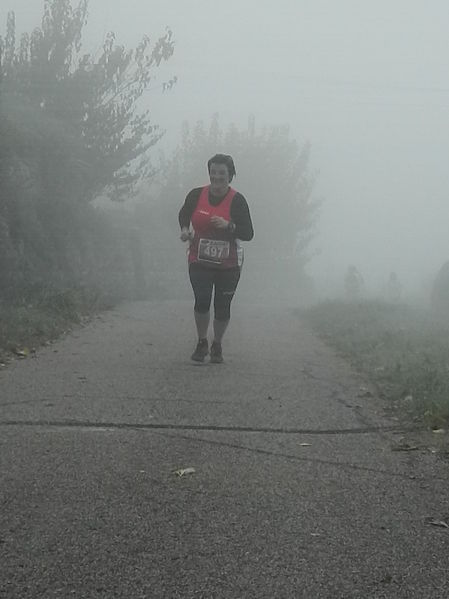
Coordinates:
366	83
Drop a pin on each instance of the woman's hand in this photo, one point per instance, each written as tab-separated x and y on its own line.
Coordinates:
219	222
186	235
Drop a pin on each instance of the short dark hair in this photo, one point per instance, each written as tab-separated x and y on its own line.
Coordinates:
223	159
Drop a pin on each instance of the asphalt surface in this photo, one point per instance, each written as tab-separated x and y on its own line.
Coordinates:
297	490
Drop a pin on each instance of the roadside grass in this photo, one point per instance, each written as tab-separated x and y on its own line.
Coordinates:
28	323
403	351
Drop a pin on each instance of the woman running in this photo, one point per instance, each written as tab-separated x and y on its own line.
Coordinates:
220	219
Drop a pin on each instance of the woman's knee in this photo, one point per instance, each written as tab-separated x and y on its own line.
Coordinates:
202	306
222	316
222	310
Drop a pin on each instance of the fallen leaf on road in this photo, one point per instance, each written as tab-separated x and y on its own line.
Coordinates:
404	447
184	471
438	431
434	522
364	392
22	353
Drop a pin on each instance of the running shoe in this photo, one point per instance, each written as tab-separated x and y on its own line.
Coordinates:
216	355
201	351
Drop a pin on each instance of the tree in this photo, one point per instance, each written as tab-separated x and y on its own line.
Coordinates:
274	175
70	131
96	99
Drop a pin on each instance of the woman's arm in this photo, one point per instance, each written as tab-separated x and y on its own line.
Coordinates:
188	208
241	218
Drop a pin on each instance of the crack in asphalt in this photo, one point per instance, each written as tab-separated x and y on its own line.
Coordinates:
207	427
84	398
297	458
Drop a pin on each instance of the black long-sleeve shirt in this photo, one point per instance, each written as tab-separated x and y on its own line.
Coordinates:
240	215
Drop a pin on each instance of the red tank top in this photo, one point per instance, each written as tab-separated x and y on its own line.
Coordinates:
212	247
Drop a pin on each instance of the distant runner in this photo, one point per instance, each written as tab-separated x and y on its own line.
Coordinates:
220	219
354	284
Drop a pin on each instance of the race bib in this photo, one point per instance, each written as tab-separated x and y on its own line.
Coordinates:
213	250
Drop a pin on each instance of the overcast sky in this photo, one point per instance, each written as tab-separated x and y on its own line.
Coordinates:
365	81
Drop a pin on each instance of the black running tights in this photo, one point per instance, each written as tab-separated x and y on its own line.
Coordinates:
204	280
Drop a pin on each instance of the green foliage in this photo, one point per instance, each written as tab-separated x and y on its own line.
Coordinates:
94	99
403	350
70	131
46	316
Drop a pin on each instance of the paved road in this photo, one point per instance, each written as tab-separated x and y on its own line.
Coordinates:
296	491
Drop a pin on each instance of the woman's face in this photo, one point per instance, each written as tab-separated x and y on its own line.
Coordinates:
219	179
